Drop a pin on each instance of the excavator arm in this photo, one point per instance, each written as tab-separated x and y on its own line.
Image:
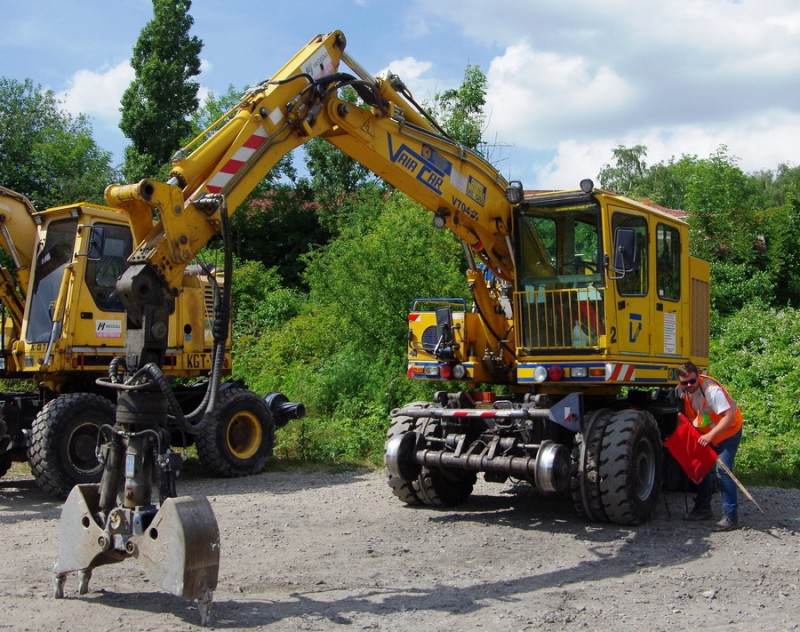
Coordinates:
389	134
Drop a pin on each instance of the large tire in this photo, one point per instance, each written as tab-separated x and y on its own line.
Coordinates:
64	439
631	467
237	436
442	488
403	489
585	475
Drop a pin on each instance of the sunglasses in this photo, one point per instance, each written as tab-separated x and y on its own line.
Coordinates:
689	382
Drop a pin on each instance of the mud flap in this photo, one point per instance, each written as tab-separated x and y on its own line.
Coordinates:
179	551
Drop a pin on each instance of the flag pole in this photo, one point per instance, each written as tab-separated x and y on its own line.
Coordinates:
738	483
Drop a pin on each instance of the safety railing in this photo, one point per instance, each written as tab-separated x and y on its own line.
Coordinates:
559	319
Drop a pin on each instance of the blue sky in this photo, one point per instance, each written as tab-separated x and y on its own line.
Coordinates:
568	80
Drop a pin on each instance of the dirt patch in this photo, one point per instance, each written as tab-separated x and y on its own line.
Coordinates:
312	551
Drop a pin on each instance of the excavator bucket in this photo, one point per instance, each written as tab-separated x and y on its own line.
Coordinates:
179	551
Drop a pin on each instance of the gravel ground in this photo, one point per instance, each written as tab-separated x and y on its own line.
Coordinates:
321	551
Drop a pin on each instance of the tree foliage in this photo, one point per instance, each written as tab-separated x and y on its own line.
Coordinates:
460	110
47	154
277	228
157	104
627	172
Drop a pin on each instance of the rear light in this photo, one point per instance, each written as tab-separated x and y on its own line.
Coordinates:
555	373
578	371
446	372
459	371
540	374
415	370
597	372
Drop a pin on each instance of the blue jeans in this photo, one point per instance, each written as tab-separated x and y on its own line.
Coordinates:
730	505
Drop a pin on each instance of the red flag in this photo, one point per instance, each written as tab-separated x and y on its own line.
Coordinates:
695	459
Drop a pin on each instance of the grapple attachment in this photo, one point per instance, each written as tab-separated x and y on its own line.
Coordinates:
177	545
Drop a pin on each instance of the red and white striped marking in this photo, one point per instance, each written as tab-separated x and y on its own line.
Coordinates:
237	161
620	372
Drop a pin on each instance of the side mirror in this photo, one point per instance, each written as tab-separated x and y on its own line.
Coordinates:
97	238
626	250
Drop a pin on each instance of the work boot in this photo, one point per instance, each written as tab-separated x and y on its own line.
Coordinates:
726	524
699	513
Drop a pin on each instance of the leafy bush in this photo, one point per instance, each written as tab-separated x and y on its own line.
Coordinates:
755	354
737	284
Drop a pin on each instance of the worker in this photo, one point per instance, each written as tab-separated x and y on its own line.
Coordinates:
719	421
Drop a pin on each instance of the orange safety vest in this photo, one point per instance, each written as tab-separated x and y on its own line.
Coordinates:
712	417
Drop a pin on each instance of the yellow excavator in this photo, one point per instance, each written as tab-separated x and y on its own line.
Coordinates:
558	372
62	324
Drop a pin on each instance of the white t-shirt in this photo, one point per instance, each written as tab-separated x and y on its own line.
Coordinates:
709	398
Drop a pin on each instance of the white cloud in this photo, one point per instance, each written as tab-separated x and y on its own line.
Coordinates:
97	94
412	72
759	144
538	98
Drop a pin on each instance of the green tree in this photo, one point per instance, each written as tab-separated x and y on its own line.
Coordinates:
625	176
460	110
277	227
45	153
345	350
157	104
721	203
780	187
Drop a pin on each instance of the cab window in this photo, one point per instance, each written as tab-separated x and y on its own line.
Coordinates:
102	274
53	258
668	262
634	282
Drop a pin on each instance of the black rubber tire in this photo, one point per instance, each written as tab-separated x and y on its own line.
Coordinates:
441	488
238	435
585	475
64	439
631	467
403	489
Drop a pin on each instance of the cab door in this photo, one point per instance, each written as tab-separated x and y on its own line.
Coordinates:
631	283
668	315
